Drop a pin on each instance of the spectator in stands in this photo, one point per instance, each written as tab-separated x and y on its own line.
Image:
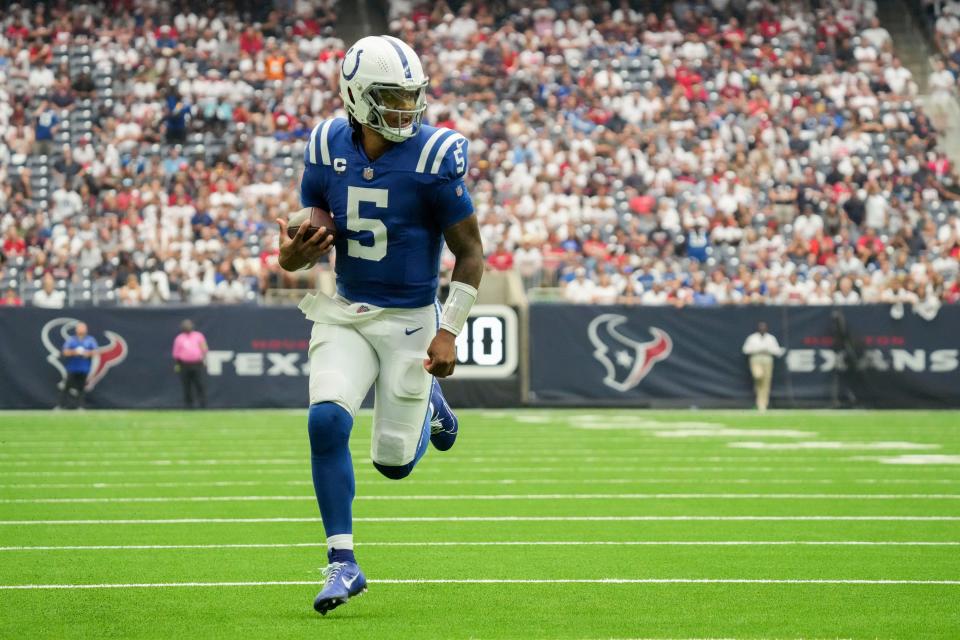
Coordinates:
761	347
528	260
501	259
11	299
189	356
580	290
656	142
49	297
130	294
78	350
46	124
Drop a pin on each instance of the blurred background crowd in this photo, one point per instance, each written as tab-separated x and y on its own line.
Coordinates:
721	152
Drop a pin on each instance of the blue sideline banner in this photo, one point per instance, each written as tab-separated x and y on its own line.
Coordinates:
257	357
662	356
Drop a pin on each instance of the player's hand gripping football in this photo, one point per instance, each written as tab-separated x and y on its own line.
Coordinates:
441	354
302	250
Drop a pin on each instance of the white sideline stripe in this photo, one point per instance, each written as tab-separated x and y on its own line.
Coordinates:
505	543
506	519
452	481
699	469
425	152
395	581
511	496
438	159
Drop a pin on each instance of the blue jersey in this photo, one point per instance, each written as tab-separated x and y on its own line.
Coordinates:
78	364
390	213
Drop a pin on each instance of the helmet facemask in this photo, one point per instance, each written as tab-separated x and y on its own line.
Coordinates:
395	112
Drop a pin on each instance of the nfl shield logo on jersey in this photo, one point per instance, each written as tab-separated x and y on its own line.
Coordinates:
368	173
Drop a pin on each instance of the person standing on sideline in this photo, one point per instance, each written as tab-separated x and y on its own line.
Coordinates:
189	352
77	352
760	348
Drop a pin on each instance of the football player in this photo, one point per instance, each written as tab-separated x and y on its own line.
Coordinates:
395	189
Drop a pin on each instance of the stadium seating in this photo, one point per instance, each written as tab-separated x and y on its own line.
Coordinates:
696	157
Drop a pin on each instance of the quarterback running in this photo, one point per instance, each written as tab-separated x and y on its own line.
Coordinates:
394	188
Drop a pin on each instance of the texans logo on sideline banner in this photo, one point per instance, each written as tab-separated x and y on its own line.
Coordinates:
626	360
56	332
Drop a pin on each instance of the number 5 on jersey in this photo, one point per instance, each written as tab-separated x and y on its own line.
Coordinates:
379	197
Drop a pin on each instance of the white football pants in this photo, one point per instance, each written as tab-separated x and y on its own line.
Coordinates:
356	345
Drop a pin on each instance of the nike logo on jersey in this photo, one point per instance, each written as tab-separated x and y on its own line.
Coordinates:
349	583
412	331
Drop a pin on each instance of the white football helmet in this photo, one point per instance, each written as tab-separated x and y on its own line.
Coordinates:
383	87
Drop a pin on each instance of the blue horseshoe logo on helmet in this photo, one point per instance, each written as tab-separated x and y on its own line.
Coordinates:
356	66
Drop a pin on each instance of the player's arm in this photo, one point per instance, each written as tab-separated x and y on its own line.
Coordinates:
455	215
463	238
464	241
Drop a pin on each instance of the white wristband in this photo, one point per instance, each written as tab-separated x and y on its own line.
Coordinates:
457	307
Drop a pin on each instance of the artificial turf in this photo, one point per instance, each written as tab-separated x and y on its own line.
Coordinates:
682	526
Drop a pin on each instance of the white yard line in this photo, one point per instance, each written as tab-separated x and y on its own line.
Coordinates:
397	581
506	496
501	519
481	481
504	543
429	468
303	461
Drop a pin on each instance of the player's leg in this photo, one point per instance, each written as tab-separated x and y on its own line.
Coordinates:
401	420
343	366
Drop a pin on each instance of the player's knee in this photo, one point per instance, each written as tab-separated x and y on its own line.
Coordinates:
329	426
395	472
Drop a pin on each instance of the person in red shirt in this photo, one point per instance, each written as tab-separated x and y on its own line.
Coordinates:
501	259
13	244
595	247
869	246
11	299
769	27
733	36
251	42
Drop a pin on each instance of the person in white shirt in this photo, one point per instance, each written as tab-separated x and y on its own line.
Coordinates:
49	297
876	35
606	292
760	348
899	78
528	260
943	88
845	293
580	289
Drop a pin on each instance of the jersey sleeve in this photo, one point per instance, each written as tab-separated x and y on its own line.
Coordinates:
313	186
451	200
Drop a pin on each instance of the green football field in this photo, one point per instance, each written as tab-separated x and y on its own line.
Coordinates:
538	524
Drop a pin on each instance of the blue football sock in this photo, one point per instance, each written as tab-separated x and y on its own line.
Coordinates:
340	555
329	426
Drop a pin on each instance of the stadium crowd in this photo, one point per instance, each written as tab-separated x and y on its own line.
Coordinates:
709	153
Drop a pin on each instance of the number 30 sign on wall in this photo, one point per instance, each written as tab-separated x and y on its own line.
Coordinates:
488	345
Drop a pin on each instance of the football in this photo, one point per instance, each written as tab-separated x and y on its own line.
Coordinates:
315	218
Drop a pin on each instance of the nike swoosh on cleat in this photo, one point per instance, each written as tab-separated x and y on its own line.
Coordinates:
349	583
412	331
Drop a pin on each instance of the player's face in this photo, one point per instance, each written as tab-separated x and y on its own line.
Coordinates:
399	107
